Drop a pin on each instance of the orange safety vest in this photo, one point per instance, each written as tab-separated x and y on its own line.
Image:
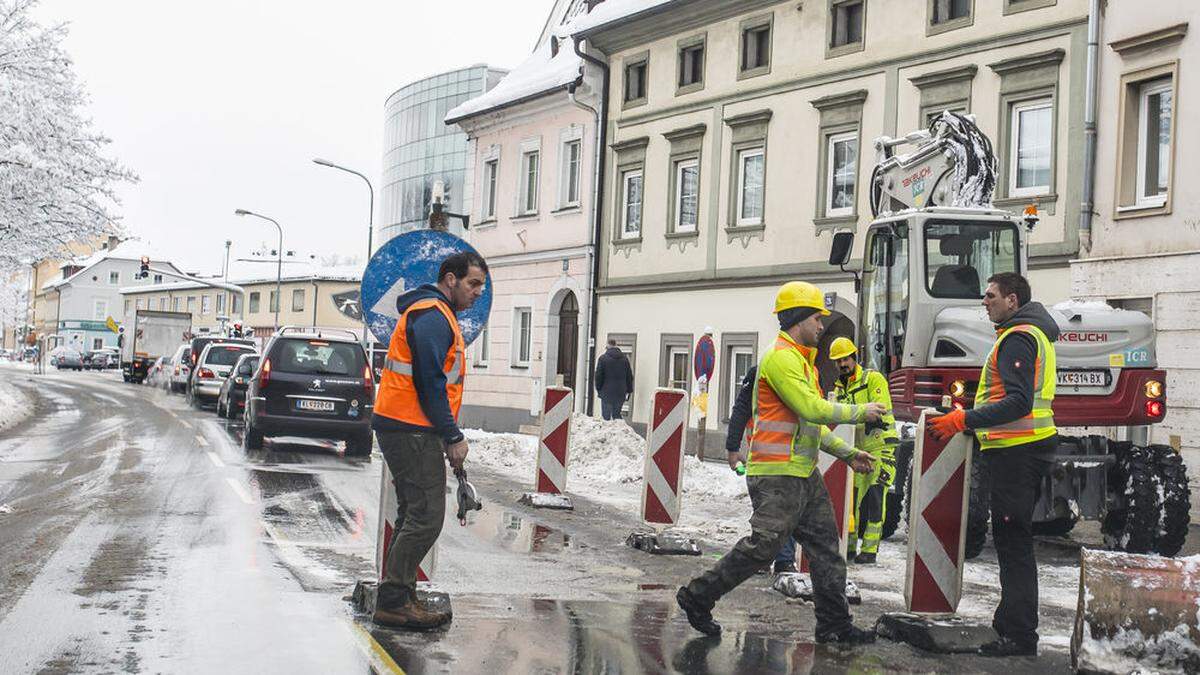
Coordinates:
1039	423
397	397
781	442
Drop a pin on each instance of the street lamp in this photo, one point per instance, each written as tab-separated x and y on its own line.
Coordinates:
370	226
279	261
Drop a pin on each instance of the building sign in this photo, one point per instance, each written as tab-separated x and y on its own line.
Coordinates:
347	302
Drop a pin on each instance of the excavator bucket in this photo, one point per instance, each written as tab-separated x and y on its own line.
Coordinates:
1137	612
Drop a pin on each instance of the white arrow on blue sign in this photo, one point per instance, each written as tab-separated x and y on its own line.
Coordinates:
406	262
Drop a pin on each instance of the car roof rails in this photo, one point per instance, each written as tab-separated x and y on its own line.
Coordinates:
319	332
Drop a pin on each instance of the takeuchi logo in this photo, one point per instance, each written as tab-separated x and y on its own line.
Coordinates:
1077	336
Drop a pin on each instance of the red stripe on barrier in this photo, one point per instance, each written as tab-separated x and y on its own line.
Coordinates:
387	544
544	484
655	511
944	513
553	396
926	596
556	442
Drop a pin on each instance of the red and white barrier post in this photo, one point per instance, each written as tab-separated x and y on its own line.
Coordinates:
941	473
550	472
663	483
387	527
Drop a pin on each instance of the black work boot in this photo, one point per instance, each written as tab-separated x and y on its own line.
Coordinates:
411	614
865	558
699	613
1007	647
850	635
783	566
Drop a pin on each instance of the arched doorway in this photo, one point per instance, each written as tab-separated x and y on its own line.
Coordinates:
568	339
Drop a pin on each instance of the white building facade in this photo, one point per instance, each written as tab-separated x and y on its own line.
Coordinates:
740	139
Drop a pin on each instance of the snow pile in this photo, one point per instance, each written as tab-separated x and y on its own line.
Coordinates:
15	406
1129	651
540	73
611	11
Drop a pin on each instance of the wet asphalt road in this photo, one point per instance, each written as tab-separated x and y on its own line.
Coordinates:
143	538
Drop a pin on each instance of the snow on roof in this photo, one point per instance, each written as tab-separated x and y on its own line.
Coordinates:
130	249
610	12
538	74
352	273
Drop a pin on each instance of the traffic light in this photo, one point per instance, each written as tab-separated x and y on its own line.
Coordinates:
145	268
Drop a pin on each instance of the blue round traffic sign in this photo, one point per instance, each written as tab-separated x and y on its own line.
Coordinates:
402	264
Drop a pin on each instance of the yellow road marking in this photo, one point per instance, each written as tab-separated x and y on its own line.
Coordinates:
380	660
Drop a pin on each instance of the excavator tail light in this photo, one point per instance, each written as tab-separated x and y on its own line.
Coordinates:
1154	389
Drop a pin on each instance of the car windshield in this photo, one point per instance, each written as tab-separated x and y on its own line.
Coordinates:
224	355
319	357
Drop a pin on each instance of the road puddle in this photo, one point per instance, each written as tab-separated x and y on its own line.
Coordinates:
513	531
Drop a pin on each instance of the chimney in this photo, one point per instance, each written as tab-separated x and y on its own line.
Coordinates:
113	241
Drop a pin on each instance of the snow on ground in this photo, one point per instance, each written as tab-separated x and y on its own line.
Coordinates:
15	406
605	464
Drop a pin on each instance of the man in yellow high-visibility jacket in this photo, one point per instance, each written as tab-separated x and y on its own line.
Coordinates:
858	385
1013	421
786	490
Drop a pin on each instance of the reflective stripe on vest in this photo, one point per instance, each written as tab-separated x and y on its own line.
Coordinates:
1039	423
780	438
857	391
398	398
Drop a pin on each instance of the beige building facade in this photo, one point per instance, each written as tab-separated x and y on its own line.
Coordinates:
1144	251
740	137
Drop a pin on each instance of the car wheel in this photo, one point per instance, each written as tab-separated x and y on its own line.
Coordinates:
360	445
252	439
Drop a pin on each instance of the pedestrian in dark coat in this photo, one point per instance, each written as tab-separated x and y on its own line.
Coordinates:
614	381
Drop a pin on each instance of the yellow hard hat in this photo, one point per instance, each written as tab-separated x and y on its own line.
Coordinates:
800	294
841	348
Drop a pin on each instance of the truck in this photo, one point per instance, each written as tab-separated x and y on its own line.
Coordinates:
934	241
147	335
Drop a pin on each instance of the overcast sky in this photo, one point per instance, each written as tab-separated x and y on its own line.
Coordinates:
222	104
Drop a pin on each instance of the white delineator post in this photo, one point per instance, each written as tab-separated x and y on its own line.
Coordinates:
554	441
387	527
937	522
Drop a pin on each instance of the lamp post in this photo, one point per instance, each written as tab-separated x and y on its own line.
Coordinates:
279	259
370	228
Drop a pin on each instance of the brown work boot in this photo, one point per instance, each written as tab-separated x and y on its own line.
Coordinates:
412	614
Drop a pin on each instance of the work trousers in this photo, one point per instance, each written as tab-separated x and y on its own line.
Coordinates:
418	465
870	506
786	505
610	408
1014	478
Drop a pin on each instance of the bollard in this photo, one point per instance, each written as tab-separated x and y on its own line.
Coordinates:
554	439
937	526
664	475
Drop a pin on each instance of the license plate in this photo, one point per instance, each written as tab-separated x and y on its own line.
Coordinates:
1083	378
317	406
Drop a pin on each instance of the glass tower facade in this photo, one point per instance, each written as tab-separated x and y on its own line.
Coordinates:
419	149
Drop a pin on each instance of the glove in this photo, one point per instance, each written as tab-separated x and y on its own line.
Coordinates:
945	426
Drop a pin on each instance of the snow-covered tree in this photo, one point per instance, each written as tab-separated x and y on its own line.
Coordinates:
55	185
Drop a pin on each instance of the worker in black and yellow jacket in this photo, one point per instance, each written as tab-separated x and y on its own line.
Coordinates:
856	386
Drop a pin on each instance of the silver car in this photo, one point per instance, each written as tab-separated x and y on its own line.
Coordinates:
213	366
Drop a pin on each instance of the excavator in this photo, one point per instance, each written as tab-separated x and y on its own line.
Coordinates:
934	241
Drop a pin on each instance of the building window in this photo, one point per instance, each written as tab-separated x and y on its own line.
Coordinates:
114	278
162	304
236	303
842	168
254	300
97	343
491	172
687	195
1155	106
1014	6
631	204
191	304
298	300
482	347
274	300
675	360
522	333
220	303
1029	152
945	11
205	304
635	80
846	21
100	311
680	365
572	156
691	66
529	183
741	359
128	306
755	52
751	163
138	304
158	278
174	304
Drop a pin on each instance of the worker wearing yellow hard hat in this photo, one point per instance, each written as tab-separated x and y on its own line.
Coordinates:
858	385
789	428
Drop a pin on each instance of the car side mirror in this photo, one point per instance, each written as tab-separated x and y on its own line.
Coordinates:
840	250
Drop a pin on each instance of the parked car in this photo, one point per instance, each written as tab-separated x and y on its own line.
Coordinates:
231	401
101	359
68	359
181	367
214	365
199	343
312	384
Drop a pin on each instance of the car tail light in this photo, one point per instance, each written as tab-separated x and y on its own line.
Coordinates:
1154	408
264	375
176	370
206	374
368	382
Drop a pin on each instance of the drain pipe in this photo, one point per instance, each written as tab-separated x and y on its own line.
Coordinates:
1089	128
601	115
